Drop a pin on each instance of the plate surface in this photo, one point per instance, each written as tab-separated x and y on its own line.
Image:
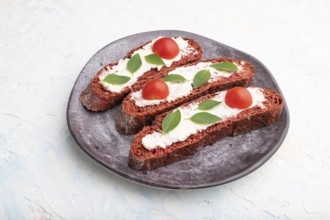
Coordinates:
224	161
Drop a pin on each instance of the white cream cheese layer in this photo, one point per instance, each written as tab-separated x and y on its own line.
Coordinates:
178	90
186	127
120	68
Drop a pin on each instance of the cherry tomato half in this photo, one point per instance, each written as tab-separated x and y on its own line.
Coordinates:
155	89
166	48
238	97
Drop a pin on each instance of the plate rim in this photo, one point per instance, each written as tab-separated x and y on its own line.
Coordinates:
229	179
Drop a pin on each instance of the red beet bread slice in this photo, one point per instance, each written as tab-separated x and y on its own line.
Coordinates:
132	118
249	119
97	98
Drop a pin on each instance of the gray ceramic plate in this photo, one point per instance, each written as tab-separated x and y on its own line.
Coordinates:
225	161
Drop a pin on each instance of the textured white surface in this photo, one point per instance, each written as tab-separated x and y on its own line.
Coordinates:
43	47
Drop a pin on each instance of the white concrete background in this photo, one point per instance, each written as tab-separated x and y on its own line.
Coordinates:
45	44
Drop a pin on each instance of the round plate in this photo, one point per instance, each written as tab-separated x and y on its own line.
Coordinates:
225	161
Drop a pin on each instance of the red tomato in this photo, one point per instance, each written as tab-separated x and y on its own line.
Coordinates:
155	89
166	48
238	97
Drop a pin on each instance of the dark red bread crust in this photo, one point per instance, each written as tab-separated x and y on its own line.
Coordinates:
250	119
132	118
96	98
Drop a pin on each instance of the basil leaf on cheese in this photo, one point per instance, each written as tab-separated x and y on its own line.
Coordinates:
116	79
170	121
200	78
154	59
134	63
225	66
174	78
204	118
208	104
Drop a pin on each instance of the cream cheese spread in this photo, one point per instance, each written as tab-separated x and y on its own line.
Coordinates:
186	127
120	68
178	90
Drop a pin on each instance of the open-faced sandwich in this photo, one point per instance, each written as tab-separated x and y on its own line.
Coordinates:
180	85
178	102
151	60
177	134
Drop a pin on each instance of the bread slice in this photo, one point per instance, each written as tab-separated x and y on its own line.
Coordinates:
96	98
249	119
133	118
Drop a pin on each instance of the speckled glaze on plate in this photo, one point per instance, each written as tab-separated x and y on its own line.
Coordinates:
227	160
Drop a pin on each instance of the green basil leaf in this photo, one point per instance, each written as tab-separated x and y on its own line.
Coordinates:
225	66
200	78
171	120
134	63
154	59
116	79
208	104
204	118
174	78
